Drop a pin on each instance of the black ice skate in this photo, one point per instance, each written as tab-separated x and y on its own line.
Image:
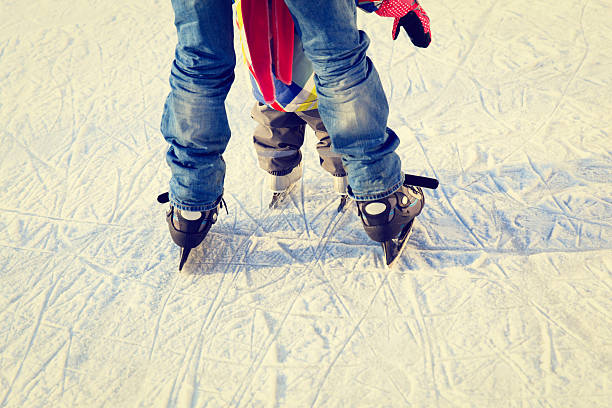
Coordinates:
281	186
389	220
188	229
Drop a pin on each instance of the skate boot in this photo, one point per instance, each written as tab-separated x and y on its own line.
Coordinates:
189	228
281	186
341	187
389	220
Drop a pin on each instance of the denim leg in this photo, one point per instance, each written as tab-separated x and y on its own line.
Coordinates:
352	102
194	122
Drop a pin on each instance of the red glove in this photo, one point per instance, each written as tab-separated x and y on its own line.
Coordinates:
410	15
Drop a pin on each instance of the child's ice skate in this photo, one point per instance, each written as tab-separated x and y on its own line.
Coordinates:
281	186
341	187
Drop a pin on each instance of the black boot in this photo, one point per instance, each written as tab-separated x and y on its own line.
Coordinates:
389	220
189	232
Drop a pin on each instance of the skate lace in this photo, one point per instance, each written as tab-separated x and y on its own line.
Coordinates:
223	204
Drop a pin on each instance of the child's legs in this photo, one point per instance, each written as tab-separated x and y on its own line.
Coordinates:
278	138
330	161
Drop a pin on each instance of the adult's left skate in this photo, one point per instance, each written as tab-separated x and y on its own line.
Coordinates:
188	228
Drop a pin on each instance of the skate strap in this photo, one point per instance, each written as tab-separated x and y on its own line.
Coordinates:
269	27
163	198
425	182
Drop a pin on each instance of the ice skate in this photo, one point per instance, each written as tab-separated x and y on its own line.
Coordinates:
341	187
281	186
189	228
389	220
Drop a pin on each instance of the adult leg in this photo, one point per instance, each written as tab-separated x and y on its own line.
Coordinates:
352	102
194	121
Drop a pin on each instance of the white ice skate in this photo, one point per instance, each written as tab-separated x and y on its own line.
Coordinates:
281	186
341	187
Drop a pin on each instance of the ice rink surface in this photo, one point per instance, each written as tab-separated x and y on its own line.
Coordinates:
502	299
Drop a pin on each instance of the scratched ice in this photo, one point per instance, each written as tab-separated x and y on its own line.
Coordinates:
502	299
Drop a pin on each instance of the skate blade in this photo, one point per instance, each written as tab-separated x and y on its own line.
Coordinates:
393	248
184	255
344	200
278	198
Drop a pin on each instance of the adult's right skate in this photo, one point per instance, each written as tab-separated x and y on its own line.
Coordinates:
389	220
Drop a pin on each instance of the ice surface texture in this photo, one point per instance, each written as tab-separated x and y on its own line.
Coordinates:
501	300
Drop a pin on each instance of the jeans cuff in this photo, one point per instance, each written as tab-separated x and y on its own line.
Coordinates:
376	196
186	207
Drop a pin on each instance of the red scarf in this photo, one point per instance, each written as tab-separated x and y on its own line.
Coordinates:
269	31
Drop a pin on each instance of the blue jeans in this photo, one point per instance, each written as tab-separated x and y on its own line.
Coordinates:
352	102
